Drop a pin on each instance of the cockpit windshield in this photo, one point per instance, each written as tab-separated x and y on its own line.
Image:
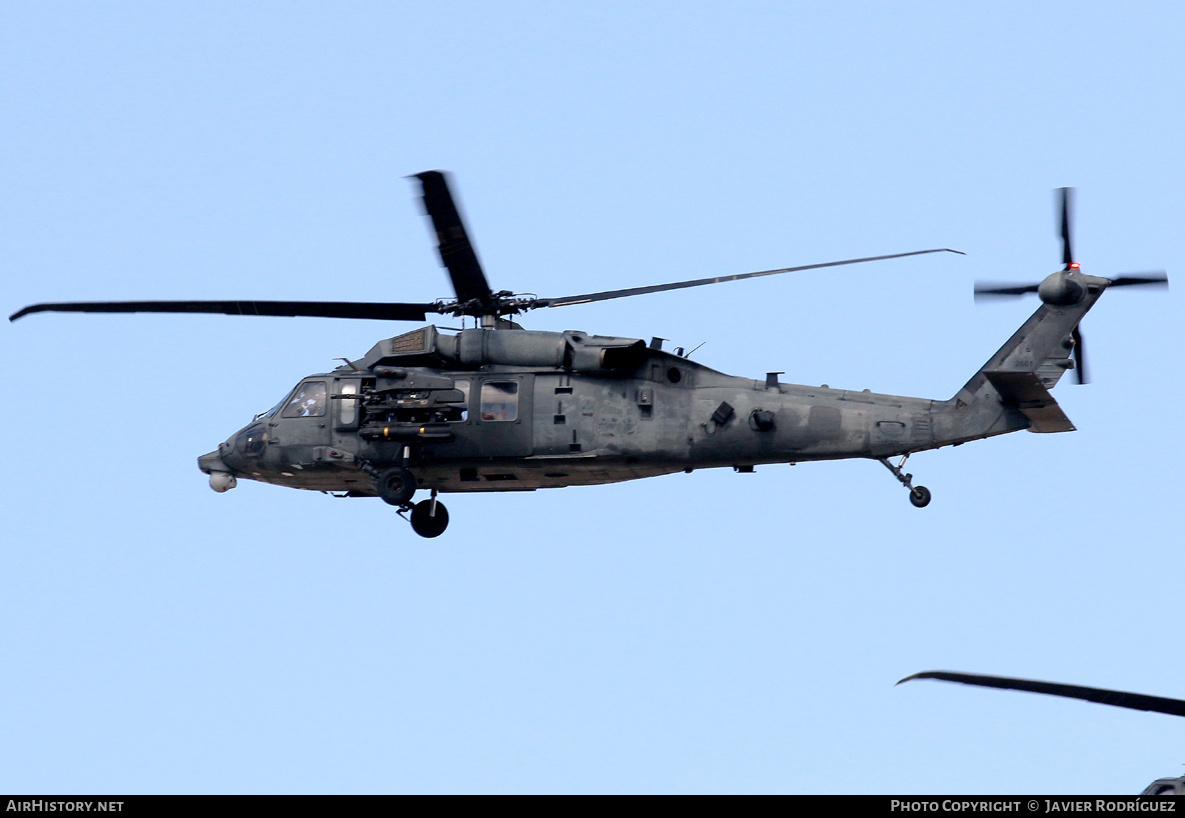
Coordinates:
307	401
272	412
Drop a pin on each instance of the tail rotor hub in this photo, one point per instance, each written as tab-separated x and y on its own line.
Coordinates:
1062	289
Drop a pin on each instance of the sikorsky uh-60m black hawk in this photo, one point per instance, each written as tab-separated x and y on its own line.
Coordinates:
500	408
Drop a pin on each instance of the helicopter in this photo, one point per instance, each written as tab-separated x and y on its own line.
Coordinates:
497	407
1115	698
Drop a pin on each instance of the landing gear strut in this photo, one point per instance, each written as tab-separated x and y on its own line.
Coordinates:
429	518
397	485
918	495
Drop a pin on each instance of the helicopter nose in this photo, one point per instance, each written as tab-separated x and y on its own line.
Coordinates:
212	461
221	478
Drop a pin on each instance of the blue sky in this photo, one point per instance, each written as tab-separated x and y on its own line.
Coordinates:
711	632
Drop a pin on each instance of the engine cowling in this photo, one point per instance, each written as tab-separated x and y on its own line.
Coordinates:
573	350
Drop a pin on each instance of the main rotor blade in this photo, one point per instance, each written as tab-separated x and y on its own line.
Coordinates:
291	309
456	251
1079	357
984	289
1116	698
1154	279
1067	194
565	301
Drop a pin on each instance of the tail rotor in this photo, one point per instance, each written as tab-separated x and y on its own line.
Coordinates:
1068	285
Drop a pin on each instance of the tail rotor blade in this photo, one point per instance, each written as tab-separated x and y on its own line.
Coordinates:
991	289
1067	195
1079	357
1154	279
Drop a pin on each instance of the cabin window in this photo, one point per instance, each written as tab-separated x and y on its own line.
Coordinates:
499	400
308	401
349	408
464	387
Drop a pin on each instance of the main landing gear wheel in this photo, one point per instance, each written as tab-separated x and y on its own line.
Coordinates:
918	495
428	521
396	485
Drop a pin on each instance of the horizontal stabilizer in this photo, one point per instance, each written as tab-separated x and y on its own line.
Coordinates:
1024	390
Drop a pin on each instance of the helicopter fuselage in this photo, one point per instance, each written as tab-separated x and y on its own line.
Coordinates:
509	409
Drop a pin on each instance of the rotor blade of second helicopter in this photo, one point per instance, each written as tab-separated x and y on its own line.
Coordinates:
1117	698
290	309
568	300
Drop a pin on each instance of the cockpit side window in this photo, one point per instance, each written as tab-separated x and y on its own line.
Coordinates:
308	401
499	400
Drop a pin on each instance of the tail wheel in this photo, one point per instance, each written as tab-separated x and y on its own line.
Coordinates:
396	485
429	522
920	496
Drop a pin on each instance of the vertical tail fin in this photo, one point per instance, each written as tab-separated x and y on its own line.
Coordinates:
1043	345
1011	391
